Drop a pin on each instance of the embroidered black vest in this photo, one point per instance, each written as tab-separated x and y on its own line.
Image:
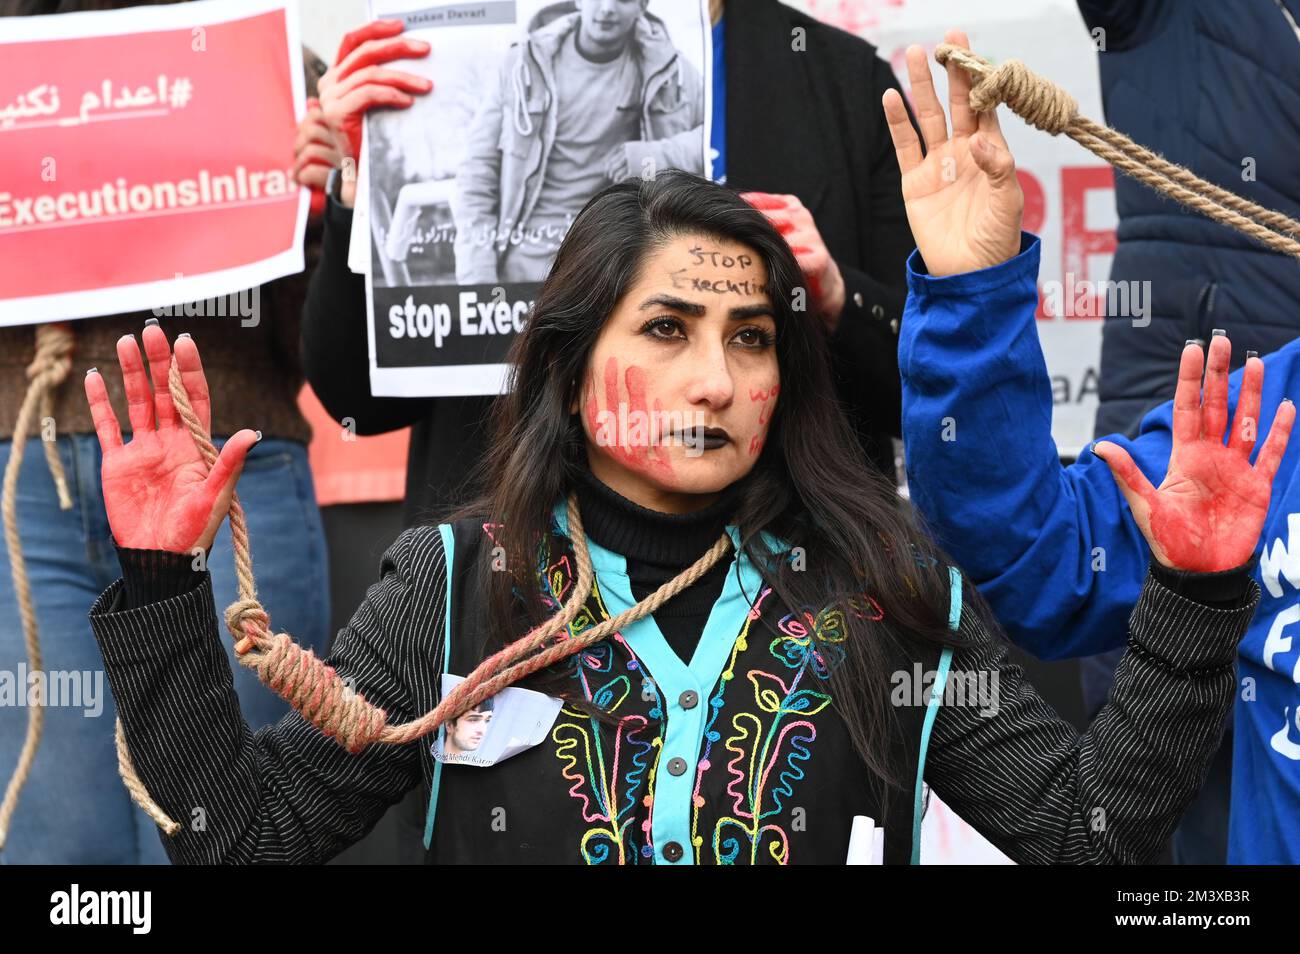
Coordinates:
738	756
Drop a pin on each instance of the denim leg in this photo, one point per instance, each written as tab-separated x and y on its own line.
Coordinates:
74	808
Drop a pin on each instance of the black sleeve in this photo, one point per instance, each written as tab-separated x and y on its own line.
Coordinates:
335	349
864	351
864	346
1042	793
151	576
286	793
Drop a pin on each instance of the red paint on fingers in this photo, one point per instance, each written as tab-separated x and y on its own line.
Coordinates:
763	201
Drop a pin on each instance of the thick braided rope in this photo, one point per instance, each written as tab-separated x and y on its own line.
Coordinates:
47	371
466	695
322	697
1048	107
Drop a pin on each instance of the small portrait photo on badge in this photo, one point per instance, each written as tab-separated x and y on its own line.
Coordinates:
500	727
468	737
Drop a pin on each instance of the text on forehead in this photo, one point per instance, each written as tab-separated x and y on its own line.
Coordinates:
719	286
717	258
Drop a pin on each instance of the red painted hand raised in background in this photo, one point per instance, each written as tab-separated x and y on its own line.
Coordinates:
1208	512
795	223
314	155
357	83
158	491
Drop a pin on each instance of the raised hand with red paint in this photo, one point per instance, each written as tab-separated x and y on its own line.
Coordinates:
1208	512
357	82
963	200
158	491
792	220
314	154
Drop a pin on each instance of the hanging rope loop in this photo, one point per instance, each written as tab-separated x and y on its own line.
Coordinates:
51	362
1046	106
1036	100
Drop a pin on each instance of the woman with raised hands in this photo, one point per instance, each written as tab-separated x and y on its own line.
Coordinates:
741	622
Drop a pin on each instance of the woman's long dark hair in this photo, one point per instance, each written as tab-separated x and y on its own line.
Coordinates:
810	485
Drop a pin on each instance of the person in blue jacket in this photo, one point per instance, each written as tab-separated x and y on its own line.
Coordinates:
1154	58
1057	550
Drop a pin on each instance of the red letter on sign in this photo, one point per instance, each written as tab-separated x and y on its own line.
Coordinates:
1077	240
1032	221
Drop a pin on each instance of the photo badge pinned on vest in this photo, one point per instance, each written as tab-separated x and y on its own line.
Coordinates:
500	726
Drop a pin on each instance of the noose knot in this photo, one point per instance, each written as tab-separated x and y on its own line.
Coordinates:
53	355
247	611
318	693
1036	100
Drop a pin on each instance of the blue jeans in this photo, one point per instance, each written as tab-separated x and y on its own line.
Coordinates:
74	808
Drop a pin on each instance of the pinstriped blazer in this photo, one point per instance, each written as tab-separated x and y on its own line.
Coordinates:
1024	778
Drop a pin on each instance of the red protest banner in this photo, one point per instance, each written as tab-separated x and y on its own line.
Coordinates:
146	156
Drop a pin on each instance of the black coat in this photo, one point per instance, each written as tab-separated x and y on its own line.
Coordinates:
806	122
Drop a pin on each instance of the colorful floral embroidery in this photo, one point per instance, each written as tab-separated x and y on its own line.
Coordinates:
770	743
611	771
607	785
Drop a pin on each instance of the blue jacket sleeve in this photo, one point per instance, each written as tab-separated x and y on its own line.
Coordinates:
1054	550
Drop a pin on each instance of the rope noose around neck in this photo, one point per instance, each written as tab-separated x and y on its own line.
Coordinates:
1046	106
317	692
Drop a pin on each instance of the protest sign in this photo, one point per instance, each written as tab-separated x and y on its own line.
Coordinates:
536	106
146	157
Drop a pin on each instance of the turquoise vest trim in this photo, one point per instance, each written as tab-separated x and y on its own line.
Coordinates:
673	794
932	709
449	549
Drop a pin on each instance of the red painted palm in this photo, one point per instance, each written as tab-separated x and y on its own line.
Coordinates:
158	491
1208	512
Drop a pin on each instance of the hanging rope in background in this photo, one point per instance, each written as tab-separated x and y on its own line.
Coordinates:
1046	106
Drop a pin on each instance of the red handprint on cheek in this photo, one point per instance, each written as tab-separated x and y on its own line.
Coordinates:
625	426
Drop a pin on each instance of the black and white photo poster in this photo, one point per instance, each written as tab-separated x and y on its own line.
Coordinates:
536	106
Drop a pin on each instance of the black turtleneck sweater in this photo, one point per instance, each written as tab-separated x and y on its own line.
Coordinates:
658	546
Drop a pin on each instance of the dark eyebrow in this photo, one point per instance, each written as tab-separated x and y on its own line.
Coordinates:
741	312
676	304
